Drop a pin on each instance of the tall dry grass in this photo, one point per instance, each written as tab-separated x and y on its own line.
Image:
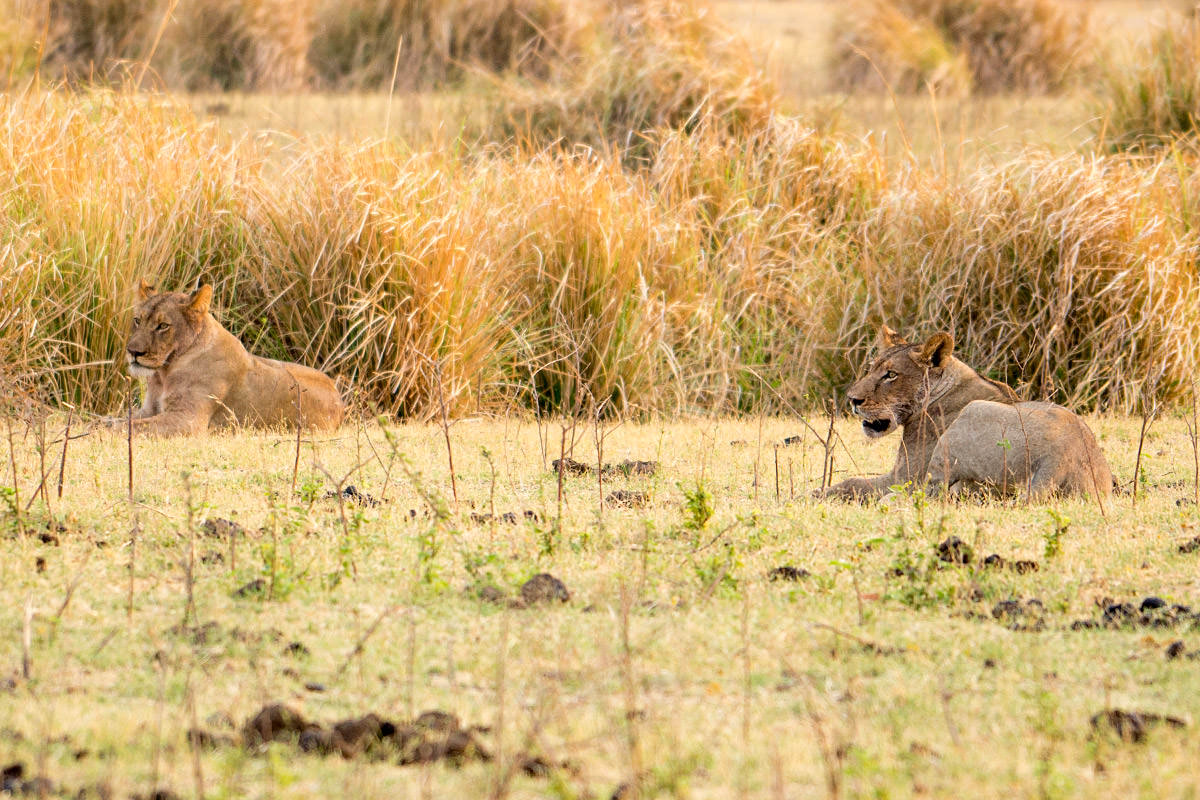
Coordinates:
725	274
1152	98
985	46
644	65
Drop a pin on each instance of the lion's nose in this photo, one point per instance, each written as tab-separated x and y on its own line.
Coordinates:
135	353
855	402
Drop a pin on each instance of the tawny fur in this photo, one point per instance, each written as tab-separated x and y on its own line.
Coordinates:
199	376
961	430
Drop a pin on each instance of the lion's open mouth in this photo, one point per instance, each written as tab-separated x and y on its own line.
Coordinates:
877	427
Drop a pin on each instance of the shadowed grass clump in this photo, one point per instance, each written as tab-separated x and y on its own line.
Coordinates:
1156	99
646	65
879	46
985	46
356	42
88	40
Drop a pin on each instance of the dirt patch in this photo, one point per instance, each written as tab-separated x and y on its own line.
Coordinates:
1027	615
788	573
508	517
1021	567
628	499
351	494
1152	612
219	528
955	551
1132	726
255	588
627	468
544	588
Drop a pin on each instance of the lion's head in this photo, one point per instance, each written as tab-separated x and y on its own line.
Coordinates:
898	381
165	325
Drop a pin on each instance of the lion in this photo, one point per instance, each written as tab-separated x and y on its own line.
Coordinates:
199	376
963	431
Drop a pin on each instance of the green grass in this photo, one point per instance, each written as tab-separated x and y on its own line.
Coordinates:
739	684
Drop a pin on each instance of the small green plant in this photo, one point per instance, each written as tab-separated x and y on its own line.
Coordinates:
8	498
719	571
697	507
1060	524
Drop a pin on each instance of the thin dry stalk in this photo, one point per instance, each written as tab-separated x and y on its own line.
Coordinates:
446	430
361	644
1193	429
27	639
633	747
62	463
296	456
189	569
1147	420
12	461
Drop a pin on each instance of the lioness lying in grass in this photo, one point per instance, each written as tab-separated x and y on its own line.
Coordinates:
961	430
198	375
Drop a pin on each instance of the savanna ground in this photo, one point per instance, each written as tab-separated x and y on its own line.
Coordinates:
680	665
878	670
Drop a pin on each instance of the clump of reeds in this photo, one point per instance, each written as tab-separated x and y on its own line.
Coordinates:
983	46
360	43
879	47
1154	100
647	64
89	40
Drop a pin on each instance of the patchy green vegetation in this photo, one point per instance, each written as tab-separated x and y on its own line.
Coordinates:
729	636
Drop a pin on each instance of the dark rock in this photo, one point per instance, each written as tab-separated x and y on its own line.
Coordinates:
1175	650
787	573
1119	613
569	466
437	720
792	440
1024	566
315	686
456	747
488	593
352	737
351	494
297	650
254	588
989	663
995	561
39	564
1190	546
544	588
157	794
222	528
955	551
628	498
48	538
1131	726
1028	615
315	740
274	722
628	468
11	778
212	557
1152	603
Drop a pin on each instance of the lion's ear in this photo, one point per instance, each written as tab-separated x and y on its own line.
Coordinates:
200	299
888	338
936	351
144	290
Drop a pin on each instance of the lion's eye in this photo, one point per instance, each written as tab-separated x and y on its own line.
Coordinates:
136	322
890	376
162	326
